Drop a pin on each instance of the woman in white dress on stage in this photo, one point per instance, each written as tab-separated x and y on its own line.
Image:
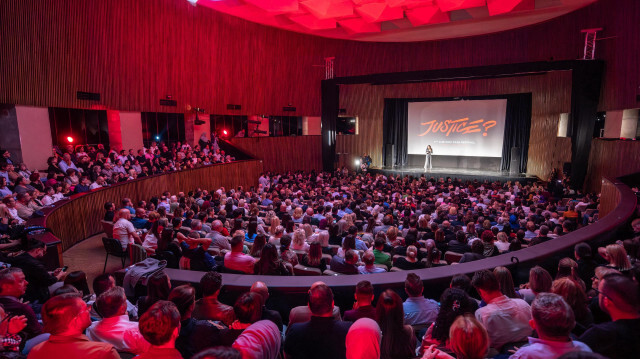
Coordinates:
427	161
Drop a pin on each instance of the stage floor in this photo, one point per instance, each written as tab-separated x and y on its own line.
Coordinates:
460	173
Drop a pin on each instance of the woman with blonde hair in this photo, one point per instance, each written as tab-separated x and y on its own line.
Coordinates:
275	223
468	339
299	241
410	262
392	236
297	215
503	242
308	231
617	257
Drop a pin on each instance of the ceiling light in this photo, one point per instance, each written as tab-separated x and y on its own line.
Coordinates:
193	2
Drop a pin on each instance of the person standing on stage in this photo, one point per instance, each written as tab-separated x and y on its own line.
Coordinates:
427	161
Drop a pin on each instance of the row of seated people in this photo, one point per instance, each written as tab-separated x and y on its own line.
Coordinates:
544	318
336	213
75	170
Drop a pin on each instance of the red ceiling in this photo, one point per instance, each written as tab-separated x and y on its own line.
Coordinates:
395	20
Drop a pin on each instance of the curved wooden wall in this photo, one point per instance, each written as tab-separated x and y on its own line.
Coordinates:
282	154
79	218
611	158
137	52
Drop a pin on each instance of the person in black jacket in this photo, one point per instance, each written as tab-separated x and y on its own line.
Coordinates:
36	274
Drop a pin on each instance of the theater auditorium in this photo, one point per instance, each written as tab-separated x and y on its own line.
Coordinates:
335	179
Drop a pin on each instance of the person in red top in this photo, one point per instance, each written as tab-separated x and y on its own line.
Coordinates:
236	260
66	317
160	326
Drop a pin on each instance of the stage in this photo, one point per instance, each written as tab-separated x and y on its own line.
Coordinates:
459	173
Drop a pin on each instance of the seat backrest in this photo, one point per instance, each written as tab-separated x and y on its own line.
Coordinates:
299	269
172	261
107	227
138	253
451	257
113	246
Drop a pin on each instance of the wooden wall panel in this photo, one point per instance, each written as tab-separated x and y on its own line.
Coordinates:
609	197
80	218
551	96
136	52
611	159
282	154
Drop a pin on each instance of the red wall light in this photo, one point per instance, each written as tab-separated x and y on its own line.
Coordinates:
69	139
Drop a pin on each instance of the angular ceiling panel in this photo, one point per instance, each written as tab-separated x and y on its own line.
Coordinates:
276	6
359	26
395	20
450	5
323	9
427	15
377	12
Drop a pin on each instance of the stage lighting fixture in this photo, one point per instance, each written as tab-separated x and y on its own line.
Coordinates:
193	2
69	139
158	138
357	162
225	133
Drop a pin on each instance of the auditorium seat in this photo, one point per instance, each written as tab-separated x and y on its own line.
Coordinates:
301	270
107	227
452	257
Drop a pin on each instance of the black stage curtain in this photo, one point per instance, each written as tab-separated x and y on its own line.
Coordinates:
394	131
516	131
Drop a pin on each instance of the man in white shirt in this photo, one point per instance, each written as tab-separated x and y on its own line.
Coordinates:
10	202
98	183
115	327
66	163
124	231
506	319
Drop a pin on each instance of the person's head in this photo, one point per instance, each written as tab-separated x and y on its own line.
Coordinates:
12	282
219	352
35	247
112	303
65	314
160	324
78	279
158	287
553	318
487	285
572	293
390	317
617	257
506	281
261	289
413	285
453	303
237	243
461	281
103	282
468	339
363	339
351	257
184	297
248	307
368	258
210	284
618	296
321	300
364	292
539	280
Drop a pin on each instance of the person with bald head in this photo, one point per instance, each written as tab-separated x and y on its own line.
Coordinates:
261	289
218	240
124	231
323	336
303	313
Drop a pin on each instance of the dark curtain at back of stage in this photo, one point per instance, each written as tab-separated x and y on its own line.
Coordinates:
516	131
394	130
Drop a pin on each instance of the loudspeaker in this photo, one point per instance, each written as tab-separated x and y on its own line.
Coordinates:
390	155
514	165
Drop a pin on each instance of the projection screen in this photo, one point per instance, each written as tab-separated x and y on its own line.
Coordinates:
457	128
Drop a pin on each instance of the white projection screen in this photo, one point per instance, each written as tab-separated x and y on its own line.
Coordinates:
457	128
